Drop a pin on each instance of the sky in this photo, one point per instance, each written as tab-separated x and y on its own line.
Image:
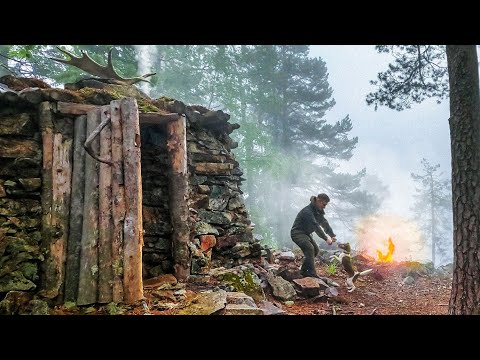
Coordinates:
391	144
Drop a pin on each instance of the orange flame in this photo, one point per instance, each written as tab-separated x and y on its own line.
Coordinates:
389	256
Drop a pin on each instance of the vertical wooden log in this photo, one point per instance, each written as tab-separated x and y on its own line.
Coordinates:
133	227
88	281
46	127
178	195
105	275
118	199
57	174
76	209
61	186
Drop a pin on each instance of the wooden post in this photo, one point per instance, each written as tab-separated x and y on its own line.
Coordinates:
133	227
118	199
61	190
178	195
76	209
46	126
105	274
88	281
56	189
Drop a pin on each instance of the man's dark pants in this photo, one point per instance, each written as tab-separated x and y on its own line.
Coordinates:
310	250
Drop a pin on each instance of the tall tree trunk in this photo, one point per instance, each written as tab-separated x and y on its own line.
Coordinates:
465	144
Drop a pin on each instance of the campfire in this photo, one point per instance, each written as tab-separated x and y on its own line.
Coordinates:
388	257
389	238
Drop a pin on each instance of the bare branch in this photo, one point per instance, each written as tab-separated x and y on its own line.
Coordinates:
420	64
92	136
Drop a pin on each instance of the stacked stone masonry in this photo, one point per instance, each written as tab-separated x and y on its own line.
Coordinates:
20	202
221	234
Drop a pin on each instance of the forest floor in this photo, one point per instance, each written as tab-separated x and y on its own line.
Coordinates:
386	296
382	292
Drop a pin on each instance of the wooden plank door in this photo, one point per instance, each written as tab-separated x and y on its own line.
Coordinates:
100	257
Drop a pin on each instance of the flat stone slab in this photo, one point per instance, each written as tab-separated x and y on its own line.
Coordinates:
308	286
238	309
240	298
206	303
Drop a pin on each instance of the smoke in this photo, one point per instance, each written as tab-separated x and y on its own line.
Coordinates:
391	143
373	232
145	55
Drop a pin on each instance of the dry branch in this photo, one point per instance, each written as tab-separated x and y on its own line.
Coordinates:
88	143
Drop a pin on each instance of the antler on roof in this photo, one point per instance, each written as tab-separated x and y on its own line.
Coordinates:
87	64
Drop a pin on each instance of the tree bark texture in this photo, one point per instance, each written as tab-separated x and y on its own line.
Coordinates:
465	146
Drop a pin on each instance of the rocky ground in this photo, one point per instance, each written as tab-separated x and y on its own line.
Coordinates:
389	296
407	288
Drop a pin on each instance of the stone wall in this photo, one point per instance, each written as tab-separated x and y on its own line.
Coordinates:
157	256
221	227
219	221
20	203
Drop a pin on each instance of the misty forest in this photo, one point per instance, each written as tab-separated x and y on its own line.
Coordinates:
213	179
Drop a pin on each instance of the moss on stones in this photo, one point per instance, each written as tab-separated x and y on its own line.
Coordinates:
244	280
15	281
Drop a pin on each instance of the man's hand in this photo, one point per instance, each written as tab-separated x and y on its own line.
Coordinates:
329	240
334	239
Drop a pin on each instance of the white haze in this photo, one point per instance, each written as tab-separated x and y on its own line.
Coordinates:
391	143
145	59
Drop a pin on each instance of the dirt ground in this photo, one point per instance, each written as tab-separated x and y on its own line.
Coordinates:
388	296
374	295
382	292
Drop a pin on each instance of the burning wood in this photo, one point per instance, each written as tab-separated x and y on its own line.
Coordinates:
388	257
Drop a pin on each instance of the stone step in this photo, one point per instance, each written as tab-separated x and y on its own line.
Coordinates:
239	309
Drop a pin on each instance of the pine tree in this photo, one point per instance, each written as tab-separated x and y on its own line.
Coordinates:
419	72
433	208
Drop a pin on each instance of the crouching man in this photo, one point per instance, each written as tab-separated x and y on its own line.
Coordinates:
311	219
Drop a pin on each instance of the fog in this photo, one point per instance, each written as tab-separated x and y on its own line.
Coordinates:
391	144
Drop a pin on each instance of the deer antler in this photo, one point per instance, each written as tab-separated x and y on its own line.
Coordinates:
87	64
